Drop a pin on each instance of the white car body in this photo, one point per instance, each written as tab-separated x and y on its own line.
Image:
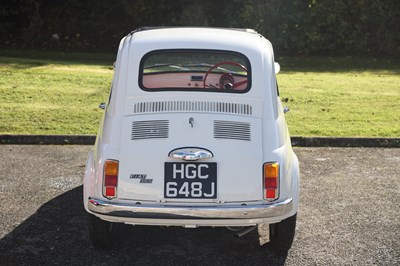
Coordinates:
185	122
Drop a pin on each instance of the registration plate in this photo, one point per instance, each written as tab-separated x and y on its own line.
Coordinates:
190	180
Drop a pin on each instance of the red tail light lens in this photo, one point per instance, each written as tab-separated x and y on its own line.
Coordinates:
110	179
271	181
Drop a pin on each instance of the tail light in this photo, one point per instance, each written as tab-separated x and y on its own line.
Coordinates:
271	181
110	179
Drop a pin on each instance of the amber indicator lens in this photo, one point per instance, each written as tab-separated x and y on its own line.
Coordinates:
111	168
271	170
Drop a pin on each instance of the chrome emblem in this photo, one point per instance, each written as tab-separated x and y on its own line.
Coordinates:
191	154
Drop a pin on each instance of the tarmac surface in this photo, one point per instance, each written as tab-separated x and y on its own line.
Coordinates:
349	215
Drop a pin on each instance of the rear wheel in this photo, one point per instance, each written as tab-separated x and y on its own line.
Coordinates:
282	234
100	232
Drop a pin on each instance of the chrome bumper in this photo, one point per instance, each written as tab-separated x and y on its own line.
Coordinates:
216	212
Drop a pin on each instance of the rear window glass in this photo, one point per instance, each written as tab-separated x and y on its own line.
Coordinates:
195	70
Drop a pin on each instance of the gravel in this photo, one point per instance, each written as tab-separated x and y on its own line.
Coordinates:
348	215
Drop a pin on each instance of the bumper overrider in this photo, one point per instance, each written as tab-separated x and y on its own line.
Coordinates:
217	212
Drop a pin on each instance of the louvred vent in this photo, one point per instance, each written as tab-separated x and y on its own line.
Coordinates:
232	130
151	129
192	106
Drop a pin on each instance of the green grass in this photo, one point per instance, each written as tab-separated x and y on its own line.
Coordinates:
59	93
341	97
47	96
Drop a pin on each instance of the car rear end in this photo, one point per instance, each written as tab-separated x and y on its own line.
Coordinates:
193	135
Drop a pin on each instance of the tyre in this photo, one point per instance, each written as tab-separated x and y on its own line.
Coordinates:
282	234
100	232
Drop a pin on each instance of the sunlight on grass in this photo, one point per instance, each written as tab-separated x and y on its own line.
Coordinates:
327	97
342	104
46	97
75	68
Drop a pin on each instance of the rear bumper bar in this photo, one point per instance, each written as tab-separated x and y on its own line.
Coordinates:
216	212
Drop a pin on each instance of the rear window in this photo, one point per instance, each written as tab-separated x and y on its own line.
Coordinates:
195	70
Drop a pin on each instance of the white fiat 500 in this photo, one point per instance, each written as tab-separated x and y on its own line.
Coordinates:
193	134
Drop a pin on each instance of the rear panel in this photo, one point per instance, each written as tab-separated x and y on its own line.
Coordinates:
234	141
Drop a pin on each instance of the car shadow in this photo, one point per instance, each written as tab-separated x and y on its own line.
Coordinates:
57	234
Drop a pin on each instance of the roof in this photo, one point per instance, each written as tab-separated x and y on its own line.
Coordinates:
241	40
180	27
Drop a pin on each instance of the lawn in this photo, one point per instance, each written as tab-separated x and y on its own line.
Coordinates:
59	93
341	97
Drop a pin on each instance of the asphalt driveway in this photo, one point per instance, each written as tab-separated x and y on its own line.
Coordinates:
349	215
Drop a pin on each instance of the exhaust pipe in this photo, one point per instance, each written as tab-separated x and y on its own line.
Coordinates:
245	231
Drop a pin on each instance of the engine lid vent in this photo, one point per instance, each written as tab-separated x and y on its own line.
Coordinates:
192	106
151	129
232	130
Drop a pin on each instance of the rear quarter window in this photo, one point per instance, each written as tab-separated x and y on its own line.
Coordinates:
195	70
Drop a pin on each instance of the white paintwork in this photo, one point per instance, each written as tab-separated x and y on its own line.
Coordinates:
277	67
239	162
